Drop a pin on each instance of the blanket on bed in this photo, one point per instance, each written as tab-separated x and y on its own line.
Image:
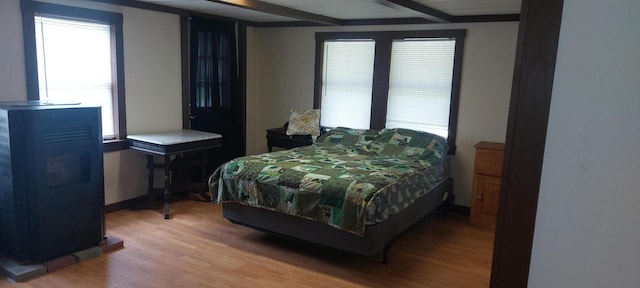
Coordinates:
347	179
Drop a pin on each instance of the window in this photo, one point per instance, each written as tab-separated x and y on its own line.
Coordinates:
74	64
74	55
377	80
347	80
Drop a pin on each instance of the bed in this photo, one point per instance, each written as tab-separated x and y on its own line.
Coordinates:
352	190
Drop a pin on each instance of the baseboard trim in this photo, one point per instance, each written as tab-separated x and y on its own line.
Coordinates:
463	210
126	204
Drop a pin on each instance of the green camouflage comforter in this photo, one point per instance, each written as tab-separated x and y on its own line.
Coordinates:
347	179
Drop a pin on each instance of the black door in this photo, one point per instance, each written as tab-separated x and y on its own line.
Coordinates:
216	98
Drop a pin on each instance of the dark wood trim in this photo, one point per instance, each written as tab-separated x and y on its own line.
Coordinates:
126	204
418	9
387	21
269	8
184	66
525	141
115	145
70	12
487	18
396	21
462	210
242	73
317	75
355	22
380	92
451	33
455	95
286	24
120	108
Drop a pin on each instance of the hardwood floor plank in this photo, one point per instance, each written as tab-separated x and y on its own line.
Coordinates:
199	248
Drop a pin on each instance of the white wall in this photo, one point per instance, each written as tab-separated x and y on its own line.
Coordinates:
13	85
587	231
253	95
152	70
152	82
281	77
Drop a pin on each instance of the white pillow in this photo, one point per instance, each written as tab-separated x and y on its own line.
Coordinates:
305	122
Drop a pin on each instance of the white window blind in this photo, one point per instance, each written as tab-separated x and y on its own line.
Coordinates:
420	83
347	81
74	65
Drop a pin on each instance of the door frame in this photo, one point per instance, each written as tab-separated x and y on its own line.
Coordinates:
526	135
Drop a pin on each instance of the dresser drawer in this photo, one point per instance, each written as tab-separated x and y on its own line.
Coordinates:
489	162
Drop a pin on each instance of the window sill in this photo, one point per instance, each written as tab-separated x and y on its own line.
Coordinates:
115	145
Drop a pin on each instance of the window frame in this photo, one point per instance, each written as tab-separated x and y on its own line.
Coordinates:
382	64
32	8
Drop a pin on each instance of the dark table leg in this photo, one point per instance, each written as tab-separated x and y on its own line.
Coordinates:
205	161
148	202
150	167
167	185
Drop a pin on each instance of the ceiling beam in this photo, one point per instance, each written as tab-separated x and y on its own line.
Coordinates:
280	10
487	18
419	10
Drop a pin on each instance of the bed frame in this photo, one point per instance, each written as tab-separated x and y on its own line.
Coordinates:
377	238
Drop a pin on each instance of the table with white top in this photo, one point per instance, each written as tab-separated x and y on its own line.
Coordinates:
168	143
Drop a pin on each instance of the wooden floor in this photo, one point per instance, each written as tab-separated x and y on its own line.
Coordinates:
199	248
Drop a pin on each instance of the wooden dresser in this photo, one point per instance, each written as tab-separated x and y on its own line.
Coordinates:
487	173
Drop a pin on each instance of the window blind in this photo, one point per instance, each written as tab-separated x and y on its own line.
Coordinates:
347	81
420	83
74	64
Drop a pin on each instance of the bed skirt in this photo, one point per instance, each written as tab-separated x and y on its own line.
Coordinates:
377	238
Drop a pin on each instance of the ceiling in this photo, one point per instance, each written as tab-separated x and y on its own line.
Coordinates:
354	12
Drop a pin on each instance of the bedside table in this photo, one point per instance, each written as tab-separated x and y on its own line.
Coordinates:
487	175
278	137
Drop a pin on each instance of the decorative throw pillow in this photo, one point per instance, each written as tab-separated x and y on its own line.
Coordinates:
305	122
